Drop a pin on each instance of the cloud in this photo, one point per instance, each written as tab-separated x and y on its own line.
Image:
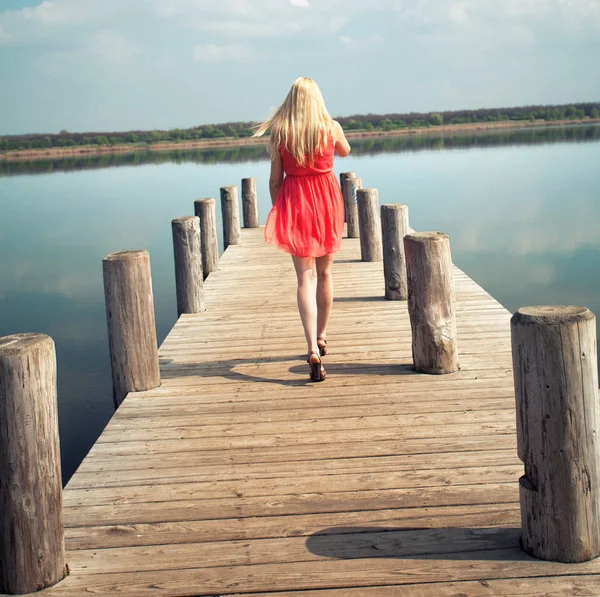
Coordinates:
66	12
215	53
112	47
300	3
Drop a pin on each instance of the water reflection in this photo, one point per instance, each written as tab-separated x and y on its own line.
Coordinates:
521	208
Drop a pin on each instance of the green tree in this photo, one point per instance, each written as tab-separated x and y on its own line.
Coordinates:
132	138
436	119
386	124
369	126
595	113
101	140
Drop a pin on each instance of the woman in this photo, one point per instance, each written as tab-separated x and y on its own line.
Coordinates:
307	217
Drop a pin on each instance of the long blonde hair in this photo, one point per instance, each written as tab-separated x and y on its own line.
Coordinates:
301	124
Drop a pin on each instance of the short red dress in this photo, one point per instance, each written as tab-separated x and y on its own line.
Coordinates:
307	219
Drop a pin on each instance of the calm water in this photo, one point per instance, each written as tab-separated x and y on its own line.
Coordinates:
522	209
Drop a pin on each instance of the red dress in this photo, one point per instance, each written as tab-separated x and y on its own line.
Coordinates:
307	218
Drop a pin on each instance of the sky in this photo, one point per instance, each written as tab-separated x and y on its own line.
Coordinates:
107	65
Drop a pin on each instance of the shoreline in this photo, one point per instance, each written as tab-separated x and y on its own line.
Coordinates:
225	143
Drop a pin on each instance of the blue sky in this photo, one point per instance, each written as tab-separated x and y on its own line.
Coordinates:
86	65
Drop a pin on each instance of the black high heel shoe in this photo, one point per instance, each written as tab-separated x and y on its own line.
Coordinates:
317	371
322	344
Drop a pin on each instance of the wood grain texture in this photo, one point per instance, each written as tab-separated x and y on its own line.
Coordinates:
350	186
188	265
249	203
369	221
32	553
394	227
131	324
230	211
205	210
558	422
431	299
237	476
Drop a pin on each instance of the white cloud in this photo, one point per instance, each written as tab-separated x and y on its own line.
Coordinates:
300	3
215	53
112	47
67	12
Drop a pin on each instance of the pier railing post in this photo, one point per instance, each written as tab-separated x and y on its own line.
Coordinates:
558	430
249	203
431	302
343	177
206	210
32	556
369	220
394	227
231	216
131	324
188	264
349	189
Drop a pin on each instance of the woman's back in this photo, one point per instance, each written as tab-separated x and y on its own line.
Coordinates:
322	163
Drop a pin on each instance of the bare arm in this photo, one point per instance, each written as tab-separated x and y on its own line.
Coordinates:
276	178
342	147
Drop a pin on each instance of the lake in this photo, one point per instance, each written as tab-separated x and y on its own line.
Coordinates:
522	208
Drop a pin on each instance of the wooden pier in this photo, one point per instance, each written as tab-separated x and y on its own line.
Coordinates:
238	476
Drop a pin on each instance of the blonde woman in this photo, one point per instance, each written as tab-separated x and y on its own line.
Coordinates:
307	217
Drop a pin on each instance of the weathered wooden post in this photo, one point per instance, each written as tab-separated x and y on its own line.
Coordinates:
32	553
394	227
231	216
369	220
206	210
188	265
431	302
558	429
349	189
343	177
131	325
249	203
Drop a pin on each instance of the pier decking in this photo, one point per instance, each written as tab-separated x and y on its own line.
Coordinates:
237	476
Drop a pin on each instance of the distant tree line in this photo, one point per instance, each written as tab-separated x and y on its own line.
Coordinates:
359	122
255	153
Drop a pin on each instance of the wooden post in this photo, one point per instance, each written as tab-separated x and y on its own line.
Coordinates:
369	221
231	216
343	177
249	203
32	554
206	210
394	227
349	189
431	302
558	430
131	326
188	264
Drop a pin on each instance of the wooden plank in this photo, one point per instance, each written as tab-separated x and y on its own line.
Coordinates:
546	586
241	506
302	525
290	486
365	572
357	543
185	471
341	450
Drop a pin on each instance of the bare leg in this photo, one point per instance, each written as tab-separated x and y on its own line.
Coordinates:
324	293
307	303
